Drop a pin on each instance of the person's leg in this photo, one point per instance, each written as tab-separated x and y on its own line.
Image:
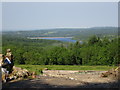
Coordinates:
7	75
3	74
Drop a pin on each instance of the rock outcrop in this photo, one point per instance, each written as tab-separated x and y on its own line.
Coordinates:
115	73
19	73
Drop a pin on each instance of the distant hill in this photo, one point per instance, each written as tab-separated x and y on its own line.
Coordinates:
76	33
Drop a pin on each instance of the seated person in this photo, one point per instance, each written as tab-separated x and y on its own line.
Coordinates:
7	64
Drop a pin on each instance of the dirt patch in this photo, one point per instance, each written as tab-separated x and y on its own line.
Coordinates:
71	80
85	76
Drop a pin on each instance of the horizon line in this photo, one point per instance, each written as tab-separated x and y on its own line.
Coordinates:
60	28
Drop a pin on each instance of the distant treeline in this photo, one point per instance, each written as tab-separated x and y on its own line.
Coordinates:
96	51
77	33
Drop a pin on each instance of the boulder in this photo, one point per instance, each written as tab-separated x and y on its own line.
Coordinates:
45	69
18	73
115	73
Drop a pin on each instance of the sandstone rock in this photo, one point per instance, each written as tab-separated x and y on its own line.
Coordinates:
115	73
33	75
20	73
45	69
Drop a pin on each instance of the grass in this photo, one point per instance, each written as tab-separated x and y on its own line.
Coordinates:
38	68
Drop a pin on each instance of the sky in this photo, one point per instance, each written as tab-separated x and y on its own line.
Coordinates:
45	15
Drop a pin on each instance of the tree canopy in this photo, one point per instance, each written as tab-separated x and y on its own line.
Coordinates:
96	51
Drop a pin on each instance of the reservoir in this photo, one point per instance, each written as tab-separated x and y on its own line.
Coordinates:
64	39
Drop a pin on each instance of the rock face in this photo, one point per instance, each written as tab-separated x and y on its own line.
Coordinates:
66	72
58	72
89	76
115	73
19	73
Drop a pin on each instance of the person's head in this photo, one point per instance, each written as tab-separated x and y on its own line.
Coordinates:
8	50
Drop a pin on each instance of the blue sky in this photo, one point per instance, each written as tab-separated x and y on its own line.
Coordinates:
42	15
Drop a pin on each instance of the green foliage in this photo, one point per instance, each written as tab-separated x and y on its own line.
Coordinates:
38	68
93	40
97	51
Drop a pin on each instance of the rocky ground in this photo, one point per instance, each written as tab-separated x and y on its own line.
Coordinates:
63	79
71	80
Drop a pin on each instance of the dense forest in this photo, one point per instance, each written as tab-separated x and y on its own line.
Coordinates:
95	51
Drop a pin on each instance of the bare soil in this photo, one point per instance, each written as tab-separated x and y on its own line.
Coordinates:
73	80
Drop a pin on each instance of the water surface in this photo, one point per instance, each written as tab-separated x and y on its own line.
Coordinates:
64	39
